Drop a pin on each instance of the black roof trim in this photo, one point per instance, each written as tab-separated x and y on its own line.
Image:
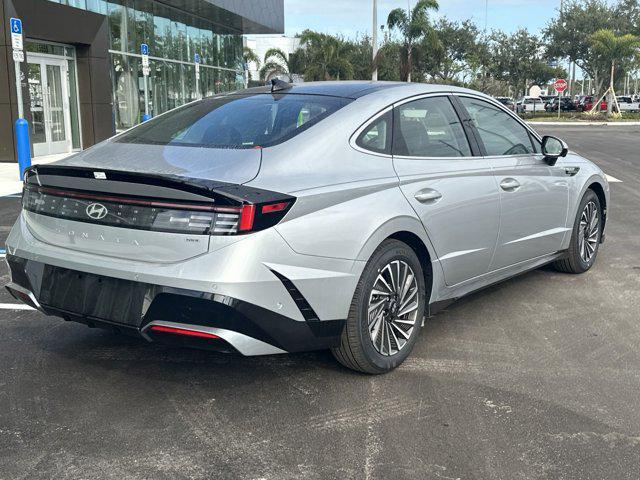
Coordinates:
352	89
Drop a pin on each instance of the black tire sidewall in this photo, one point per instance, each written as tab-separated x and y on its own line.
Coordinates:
395	251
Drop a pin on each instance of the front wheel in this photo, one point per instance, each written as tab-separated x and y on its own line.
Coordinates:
585	237
386	312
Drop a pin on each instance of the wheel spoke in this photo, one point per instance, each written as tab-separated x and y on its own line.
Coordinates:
375	330
408	309
408	283
406	335
392	285
384	282
376	306
409	298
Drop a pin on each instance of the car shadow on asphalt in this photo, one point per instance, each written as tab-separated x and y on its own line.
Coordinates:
104	349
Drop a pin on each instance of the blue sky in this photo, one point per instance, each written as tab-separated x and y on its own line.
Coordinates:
350	17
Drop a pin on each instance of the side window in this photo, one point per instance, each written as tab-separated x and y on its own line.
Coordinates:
429	127
377	135
500	133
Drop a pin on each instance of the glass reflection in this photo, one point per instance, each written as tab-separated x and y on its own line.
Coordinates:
173	36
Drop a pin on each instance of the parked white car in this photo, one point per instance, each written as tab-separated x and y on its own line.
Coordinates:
530	105
627	104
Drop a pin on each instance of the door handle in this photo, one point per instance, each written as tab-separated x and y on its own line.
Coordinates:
428	195
509	184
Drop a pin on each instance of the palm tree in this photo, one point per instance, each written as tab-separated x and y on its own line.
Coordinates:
248	56
326	57
276	62
414	26
613	48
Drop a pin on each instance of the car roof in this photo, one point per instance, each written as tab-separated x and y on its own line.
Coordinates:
346	89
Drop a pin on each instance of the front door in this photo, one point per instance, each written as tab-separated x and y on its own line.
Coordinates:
534	196
452	191
50	108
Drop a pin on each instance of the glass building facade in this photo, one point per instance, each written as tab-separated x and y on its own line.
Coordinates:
174	37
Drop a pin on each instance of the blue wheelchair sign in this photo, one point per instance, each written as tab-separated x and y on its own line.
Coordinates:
196	58
144	49
16	26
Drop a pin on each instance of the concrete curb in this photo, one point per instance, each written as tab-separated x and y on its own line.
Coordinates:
588	124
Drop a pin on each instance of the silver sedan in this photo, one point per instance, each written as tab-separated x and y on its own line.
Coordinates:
334	215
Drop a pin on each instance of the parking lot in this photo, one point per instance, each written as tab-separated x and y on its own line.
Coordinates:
535	378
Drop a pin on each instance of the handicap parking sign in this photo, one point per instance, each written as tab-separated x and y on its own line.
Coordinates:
16	26
144	49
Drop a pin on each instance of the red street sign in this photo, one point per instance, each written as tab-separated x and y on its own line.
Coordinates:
560	85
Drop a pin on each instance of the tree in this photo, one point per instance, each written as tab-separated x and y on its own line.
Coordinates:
276	62
414	26
614	48
568	35
248	56
326	57
518	60
454	49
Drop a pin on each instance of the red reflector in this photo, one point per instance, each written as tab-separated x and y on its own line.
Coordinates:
182	331
274	207
246	218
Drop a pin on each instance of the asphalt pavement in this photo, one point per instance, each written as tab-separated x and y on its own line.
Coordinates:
535	378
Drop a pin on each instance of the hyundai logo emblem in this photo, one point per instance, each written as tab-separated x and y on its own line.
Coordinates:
97	211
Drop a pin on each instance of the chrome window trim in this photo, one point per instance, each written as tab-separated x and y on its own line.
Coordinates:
420	96
490	100
354	136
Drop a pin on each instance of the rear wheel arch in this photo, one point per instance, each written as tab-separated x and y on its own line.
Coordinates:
422	252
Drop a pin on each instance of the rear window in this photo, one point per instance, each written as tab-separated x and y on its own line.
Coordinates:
236	121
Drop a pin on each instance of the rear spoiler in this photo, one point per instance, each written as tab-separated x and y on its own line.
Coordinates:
147	185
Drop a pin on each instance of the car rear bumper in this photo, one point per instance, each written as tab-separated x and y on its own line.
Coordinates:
185	317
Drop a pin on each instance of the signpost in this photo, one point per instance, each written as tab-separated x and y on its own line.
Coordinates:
144	50
23	145
196	59
560	85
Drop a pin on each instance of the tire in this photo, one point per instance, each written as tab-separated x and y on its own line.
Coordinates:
578	260
357	350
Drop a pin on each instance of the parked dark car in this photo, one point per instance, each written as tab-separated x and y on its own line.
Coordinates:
566	105
546	99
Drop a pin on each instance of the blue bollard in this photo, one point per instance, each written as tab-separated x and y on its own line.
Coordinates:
145	117
23	146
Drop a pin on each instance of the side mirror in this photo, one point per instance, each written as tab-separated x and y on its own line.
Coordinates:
553	148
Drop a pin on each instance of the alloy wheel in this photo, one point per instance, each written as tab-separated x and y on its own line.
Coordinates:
588	232
393	307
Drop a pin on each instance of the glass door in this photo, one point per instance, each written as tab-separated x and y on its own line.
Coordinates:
49	92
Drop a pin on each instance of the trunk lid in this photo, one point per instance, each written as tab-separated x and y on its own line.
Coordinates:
140	187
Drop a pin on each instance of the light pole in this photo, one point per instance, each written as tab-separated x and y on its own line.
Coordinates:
374	40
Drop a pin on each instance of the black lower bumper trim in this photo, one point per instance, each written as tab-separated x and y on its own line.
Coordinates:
92	299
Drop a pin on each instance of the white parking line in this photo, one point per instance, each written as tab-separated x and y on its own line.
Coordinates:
611	179
15	306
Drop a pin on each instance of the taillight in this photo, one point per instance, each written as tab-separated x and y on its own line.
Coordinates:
246	217
157	215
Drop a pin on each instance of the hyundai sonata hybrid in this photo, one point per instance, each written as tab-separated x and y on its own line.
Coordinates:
333	215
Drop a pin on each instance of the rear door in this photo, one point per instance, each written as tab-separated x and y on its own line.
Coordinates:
449	186
533	195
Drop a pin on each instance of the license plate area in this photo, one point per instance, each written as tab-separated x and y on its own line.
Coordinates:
90	295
